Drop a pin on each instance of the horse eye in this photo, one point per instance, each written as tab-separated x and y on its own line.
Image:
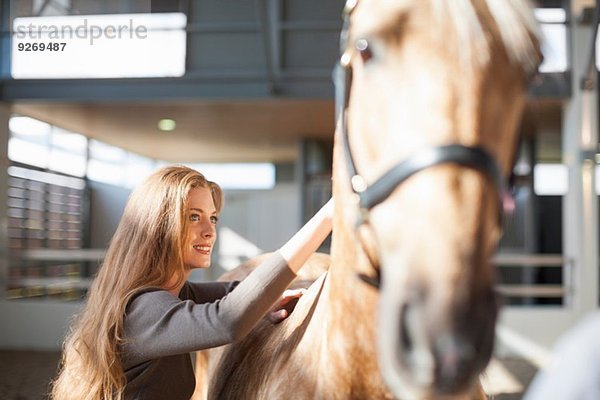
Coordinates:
362	45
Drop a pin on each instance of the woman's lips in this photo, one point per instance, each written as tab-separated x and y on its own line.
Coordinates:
202	249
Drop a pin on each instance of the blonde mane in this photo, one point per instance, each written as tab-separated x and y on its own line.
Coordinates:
515	27
520	40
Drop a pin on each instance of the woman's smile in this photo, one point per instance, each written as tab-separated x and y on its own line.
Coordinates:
202	249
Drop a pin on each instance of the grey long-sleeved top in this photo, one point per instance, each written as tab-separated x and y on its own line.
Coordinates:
161	330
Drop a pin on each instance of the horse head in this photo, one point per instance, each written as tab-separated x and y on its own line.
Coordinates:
430	101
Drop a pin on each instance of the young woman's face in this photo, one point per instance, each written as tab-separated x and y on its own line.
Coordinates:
202	233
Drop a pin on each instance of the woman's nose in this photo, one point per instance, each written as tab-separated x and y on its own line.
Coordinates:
208	230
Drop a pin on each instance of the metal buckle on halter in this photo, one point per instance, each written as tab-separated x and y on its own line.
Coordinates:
350	6
358	183
345	60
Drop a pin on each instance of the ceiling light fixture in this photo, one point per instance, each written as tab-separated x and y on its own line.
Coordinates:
166	124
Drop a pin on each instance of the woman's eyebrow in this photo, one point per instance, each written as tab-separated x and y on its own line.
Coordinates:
202	211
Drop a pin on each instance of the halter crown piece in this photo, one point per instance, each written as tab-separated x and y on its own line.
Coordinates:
370	195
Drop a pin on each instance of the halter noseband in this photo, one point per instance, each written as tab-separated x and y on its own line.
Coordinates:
370	195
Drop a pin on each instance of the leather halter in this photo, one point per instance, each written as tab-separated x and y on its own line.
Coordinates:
370	195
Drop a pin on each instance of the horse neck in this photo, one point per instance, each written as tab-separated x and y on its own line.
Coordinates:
351	303
347	325
347	257
350	299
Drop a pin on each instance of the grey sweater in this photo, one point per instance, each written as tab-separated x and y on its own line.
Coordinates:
160	329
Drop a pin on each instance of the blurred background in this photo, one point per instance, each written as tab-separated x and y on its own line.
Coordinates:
242	91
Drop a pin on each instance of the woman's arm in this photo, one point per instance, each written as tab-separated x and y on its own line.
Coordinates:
265	285
308	239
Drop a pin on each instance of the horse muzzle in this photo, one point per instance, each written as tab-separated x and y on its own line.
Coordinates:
435	349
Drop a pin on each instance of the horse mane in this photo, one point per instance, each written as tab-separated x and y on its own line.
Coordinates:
520	40
509	23
277	343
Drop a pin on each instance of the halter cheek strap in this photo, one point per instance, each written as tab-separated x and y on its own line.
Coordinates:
470	157
374	279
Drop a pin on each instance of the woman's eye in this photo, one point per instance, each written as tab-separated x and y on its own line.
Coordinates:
214	219
194	217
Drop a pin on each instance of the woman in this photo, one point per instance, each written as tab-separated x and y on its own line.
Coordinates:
142	317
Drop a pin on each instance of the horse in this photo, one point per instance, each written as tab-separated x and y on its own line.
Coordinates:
430	94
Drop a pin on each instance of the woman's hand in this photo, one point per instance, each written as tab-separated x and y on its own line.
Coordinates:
286	305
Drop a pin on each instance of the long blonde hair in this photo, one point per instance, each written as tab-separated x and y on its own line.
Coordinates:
145	251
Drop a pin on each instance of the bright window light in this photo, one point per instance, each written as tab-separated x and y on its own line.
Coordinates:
67	162
105	172
29	153
138	168
554	48
99	46
106	152
550	179
239	176
550	15
116	166
66	140
30	128
554	38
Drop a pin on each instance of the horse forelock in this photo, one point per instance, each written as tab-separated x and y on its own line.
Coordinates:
519	31
481	24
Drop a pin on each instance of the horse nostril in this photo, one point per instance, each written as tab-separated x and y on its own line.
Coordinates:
453	357
413	352
405	338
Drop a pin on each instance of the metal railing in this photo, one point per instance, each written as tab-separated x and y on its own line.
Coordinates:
532	261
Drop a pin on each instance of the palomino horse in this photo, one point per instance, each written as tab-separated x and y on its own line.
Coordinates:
430	100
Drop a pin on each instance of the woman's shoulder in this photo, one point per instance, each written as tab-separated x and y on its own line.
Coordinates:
147	294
